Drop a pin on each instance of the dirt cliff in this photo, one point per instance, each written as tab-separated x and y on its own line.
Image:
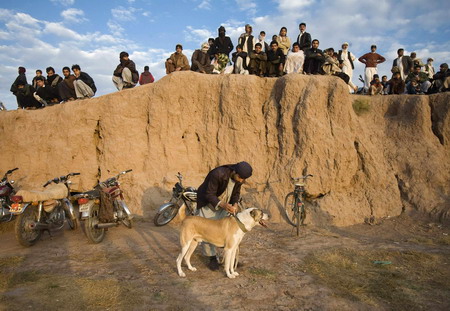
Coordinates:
393	155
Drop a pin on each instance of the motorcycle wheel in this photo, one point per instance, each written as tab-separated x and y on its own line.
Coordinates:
126	219
166	214
93	234
26	235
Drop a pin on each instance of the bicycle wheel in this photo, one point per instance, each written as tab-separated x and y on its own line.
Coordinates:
290	209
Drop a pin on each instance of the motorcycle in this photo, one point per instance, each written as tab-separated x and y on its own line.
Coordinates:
102	208
180	194
38	211
6	190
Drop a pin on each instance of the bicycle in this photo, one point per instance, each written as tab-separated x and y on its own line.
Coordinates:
293	203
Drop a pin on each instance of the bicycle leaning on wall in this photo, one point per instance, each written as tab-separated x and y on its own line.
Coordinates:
294	206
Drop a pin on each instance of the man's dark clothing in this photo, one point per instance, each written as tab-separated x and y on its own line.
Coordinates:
243	55
258	63
25	98
201	62
274	59
396	86
215	184
314	59
407	64
223	45
88	80
66	89
53	82
304	41
45	93
34	82
250	40
130	65
20	78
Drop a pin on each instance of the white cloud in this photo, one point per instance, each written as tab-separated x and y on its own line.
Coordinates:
115	28
64	2
123	14
73	15
199	35
205	5
287	5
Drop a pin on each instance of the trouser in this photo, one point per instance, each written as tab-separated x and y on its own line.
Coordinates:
207	212
368	76
273	69
65	92
82	90
125	79
349	72
239	67
257	67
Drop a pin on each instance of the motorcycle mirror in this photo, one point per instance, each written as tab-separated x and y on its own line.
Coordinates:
12	182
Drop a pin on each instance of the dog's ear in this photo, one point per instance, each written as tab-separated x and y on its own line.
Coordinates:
254	213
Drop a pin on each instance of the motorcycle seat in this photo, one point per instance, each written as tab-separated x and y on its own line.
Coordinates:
52	192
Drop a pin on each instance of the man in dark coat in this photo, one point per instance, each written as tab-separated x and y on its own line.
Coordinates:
200	60
219	195
223	44
53	80
43	93
304	38
125	75
25	96
314	58
403	63
20	78
258	61
66	88
275	60
84	84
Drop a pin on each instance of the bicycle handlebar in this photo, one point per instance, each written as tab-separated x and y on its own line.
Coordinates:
303	177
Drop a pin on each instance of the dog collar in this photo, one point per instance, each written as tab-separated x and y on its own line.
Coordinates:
240	224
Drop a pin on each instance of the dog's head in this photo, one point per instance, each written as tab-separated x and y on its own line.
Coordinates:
253	216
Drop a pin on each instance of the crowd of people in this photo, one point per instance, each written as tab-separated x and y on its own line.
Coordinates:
253	56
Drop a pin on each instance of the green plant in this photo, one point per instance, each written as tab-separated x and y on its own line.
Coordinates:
361	106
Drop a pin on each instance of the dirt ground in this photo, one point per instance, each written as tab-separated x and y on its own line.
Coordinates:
399	263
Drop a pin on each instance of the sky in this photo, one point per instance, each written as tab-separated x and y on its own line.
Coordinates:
58	33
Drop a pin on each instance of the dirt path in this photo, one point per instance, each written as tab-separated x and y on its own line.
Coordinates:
135	270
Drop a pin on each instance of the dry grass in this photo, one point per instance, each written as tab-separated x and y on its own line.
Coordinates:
361	106
413	281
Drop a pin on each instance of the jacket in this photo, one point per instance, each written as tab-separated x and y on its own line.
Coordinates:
250	44
130	65
223	45
54	80
180	60
146	77
407	63
88	80
199	60
243	55
304	41
69	81
215	184
276	57
20	77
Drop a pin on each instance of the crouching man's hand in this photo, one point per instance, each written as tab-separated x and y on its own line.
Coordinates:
228	207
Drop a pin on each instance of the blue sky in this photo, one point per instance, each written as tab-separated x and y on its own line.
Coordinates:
57	33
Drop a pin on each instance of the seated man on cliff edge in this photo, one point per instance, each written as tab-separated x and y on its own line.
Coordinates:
177	61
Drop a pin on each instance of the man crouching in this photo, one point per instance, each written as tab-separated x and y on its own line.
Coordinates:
219	195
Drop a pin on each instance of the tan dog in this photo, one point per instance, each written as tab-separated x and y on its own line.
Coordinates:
226	232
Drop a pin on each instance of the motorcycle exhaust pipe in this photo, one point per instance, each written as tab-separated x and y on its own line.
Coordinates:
39	226
106	225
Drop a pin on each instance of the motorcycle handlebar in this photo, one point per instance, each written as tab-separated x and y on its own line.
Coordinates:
48	183
127	171
74	174
10	171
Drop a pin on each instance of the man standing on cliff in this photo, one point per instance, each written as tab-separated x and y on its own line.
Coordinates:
218	195
371	60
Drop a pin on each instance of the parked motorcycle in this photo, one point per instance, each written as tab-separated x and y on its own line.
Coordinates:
6	190
102	208
43	210
180	194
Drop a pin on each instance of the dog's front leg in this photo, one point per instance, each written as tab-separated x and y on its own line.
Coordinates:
228	264
233	260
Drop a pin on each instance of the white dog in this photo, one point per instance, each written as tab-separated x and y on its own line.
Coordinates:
226	232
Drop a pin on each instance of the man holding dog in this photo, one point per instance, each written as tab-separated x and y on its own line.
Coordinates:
218	195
